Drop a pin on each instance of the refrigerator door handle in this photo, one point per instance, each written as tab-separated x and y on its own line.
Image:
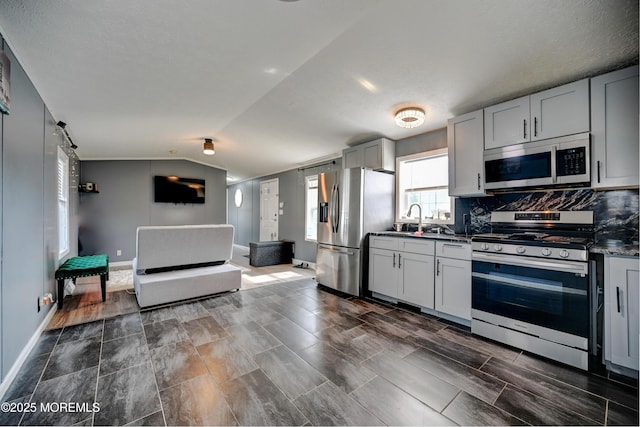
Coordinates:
337	208
332	208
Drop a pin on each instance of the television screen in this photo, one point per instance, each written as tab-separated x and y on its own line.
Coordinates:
172	189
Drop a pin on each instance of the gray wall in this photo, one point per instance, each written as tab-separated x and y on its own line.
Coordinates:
247	224
29	228
108	220
291	226
246	219
420	143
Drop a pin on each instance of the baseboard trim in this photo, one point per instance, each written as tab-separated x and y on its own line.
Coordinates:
120	265
24	354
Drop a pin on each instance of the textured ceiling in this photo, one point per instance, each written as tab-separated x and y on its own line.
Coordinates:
279	84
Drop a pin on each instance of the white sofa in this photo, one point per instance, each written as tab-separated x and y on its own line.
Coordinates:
175	263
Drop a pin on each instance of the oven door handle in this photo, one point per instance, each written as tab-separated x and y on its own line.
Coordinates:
528	284
563	266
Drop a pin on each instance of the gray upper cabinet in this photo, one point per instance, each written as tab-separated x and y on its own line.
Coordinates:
614	122
379	154
465	144
507	123
352	157
560	111
563	110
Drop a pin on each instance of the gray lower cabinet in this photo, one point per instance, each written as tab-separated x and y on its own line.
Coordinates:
383	274
403	269
614	129
622	296
453	279
416	278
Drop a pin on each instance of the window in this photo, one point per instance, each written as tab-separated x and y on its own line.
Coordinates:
424	179
311	207
63	203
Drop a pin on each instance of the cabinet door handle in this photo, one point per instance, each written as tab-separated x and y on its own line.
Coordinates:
535	126
478	181
399	260
394	260
598	170
524	128
618	297
437	267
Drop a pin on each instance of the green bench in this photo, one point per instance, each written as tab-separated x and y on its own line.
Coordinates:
83	266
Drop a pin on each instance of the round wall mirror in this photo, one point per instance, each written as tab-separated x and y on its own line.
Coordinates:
237	197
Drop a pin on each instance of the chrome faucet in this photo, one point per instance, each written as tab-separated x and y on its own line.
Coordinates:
419	215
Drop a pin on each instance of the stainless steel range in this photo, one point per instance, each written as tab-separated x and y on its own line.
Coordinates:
531	286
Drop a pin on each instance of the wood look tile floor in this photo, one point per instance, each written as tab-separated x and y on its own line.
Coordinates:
295	354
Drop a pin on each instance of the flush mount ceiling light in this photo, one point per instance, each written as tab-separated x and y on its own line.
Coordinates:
208	147
409	118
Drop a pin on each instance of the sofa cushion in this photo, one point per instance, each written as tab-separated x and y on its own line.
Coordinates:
172	286
169	247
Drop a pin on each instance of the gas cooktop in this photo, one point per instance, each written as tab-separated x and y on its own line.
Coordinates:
562	235
535	239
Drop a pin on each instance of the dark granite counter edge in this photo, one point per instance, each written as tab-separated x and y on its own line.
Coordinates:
624	250
431	236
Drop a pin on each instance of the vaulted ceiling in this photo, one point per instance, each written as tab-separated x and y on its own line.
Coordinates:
278	84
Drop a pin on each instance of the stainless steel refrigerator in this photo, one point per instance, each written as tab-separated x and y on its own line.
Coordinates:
351	203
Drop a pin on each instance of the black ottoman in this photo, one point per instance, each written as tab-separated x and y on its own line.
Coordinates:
270	253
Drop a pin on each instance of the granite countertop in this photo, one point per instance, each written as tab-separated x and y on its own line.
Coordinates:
435	236
600	248
618	249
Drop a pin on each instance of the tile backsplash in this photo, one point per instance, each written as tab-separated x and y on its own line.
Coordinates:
616	211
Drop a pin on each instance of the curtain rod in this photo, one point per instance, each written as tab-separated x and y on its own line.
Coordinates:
332	162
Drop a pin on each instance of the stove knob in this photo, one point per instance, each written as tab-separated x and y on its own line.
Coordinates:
521	249
564	253
497	248
484	247
546	252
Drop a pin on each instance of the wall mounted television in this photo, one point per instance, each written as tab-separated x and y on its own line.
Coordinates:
173	189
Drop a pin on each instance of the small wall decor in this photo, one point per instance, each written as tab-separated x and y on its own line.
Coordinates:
237	197
5	77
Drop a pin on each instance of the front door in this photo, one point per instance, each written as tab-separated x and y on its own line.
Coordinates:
269	200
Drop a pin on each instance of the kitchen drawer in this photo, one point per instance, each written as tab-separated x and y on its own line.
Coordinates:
384	242
456	250
417	246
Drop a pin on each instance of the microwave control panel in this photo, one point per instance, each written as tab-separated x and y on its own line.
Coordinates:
571	161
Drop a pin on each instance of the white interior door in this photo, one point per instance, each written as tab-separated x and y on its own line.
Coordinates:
269	201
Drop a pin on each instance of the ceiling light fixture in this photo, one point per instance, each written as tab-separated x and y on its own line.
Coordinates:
208	147
409	118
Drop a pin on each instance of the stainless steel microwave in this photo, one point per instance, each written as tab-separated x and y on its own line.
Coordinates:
552	162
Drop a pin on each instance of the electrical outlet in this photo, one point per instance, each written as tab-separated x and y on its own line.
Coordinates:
118	252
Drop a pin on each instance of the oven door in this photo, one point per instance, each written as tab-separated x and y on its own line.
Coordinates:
548	293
